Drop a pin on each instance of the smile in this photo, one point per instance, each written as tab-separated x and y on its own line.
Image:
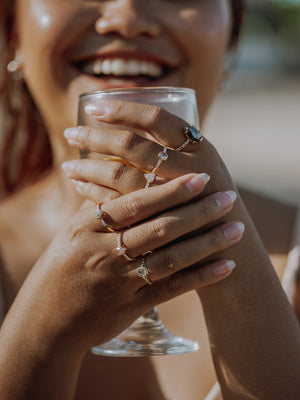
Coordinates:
125	68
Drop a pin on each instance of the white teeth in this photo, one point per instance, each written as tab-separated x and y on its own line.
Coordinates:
96	67
106	68
120	67
133	68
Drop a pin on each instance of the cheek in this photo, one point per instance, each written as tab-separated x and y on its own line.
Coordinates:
203	38
40	24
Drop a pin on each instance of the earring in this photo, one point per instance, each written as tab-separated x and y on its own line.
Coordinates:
15	67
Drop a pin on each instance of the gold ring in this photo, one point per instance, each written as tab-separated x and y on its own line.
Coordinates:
121	249
192	135
162	156
99	214
143	271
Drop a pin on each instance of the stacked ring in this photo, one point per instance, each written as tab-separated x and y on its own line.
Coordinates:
121	249
99	214
192	135
162	156
143	271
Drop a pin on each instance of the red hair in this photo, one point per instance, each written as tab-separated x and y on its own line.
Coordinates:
25	154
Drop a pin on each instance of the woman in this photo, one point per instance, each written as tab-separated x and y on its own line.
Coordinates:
62	307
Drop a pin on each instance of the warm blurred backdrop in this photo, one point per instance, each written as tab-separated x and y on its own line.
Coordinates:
255	122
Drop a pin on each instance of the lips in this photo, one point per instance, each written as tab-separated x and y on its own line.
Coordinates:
124	65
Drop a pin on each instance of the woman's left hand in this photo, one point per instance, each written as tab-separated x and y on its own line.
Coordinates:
133	151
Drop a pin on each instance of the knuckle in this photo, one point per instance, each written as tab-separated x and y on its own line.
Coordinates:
200	275
206	210
159	229
112	195
77	168
90	190
213	241
84	133
175	287
117	172
129	142
116	112
171	260
157	113
131	205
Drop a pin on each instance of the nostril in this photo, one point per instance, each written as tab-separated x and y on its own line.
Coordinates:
126	24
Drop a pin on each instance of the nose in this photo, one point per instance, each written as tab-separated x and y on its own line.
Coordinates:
127	18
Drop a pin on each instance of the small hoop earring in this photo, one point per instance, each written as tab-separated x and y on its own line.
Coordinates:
15	67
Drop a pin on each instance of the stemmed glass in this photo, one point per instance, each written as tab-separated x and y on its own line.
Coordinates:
147	336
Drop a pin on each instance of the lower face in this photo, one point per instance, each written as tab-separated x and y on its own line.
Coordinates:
73	46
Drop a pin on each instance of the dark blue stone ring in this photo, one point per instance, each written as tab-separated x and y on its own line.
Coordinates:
192	134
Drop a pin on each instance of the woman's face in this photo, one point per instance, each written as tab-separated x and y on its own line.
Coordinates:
74	46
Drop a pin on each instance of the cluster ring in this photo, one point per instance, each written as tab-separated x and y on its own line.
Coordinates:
192	135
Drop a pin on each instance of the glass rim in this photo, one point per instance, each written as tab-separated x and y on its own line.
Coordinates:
157	89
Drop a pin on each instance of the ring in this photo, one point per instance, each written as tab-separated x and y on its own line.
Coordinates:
143	271
121	249
162	156
192	134
99	214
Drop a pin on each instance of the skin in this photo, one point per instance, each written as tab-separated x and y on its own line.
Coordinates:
49	36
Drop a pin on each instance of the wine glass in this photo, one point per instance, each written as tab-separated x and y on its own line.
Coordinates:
147	336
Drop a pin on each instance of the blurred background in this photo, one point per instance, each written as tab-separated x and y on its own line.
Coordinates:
255	122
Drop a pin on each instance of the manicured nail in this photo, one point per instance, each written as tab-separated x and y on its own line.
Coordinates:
234	230
197	182
78	184
71	134
224	267
98	109
68	167
225	199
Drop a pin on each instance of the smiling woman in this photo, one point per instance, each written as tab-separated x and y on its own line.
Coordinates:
72	278
114	60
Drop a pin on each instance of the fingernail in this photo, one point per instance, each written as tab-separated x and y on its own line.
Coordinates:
68	167
234	230
197	182
98	109
71	134
224	267
225	199
78	184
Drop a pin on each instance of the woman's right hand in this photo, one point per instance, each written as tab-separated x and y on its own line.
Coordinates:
83	293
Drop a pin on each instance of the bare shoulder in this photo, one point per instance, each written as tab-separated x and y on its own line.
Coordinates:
274	220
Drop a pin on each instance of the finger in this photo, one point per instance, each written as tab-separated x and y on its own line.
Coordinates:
140	205
167	261
129	146
114	175
185	281
173	224
94	193
165	127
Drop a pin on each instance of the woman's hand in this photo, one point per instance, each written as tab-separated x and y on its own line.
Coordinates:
83	293
135	150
